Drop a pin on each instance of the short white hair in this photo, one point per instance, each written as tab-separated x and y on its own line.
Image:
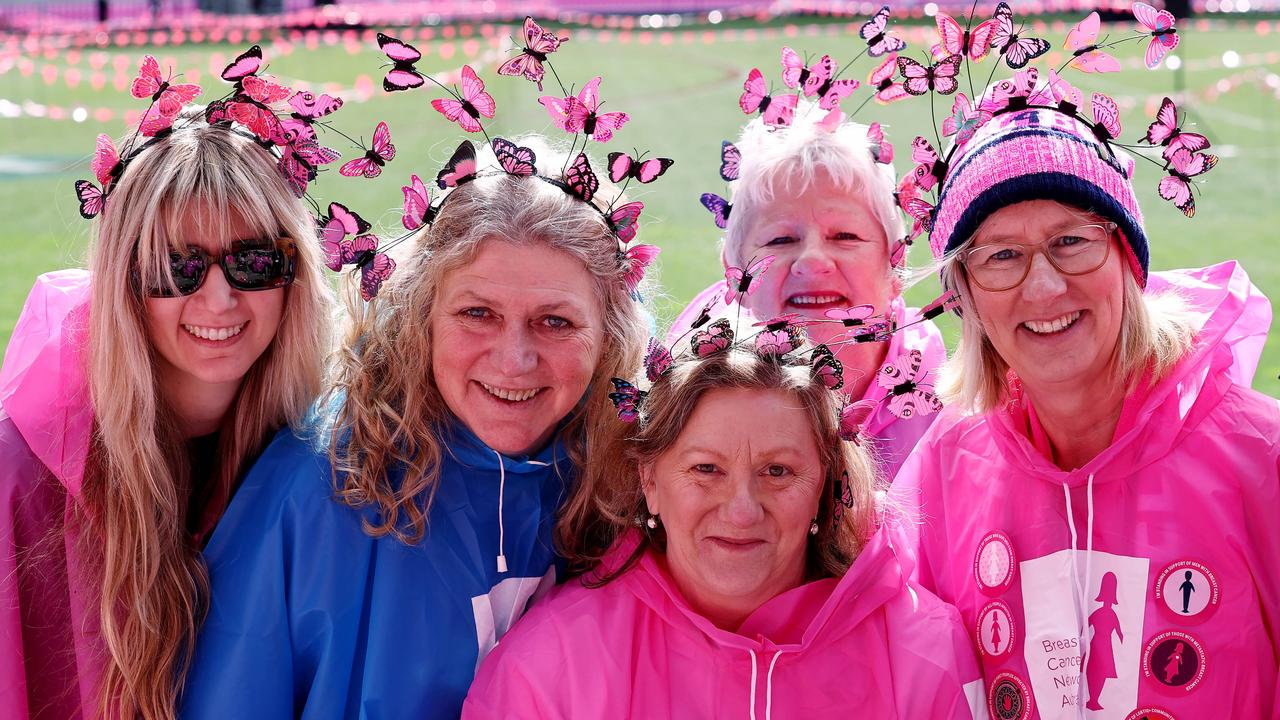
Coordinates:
792	157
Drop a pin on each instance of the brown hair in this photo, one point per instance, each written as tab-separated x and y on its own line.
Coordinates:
587	532
151	581
391	409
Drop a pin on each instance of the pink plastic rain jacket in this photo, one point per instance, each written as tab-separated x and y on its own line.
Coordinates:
1144	584
867	645
893	436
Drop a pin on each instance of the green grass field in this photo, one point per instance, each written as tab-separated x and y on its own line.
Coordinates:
682	98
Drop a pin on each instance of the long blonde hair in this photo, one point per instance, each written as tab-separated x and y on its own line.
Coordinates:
152	582
618	501
390	408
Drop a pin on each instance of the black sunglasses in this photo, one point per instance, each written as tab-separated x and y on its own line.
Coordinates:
247	266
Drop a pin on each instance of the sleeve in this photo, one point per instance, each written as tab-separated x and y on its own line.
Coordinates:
39	665
244	663
531	674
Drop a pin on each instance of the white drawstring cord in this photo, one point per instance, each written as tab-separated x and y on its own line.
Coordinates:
751	697
502	488
502	531
1077	591
768	687
1088	579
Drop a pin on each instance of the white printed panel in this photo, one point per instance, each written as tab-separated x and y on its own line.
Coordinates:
1099	671
496	611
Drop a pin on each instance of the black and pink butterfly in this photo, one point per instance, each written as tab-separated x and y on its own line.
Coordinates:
739	281
301	153
945	302
538	44
581	113
335	228
824	366
881	79
930	168
1167	131
878	41
939	77
580	180
1182	166
881	149
514	159
250	104
623	167
418	209
908	395
461	167
818	80
657	360
842	494
717	337
719	207
627	398
379	153
776	110
1016	50
167	99
402	75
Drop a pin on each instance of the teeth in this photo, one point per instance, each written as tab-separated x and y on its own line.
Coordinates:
208	333
511	395
813	299
1045	327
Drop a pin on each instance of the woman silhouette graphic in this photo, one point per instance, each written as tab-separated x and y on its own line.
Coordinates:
1101	660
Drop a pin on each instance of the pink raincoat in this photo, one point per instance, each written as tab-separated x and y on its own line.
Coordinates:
1144	584
48	626
865	645
893	436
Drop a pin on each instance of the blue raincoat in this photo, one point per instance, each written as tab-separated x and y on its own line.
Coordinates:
313	618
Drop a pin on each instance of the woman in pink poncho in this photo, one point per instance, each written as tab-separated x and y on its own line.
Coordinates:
745	577
1113	452
818	197
133	395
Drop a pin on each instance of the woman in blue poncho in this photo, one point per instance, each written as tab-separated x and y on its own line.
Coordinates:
368	563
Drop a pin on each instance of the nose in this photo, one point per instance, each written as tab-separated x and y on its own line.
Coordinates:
1043	280
742	508
215	293
517	354
814	258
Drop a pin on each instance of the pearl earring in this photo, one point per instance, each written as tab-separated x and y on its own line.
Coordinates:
652	522
813	528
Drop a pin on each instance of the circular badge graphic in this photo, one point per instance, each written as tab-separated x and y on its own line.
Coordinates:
1174	662
1150	713
994	564
1188	591
995	633
1008	698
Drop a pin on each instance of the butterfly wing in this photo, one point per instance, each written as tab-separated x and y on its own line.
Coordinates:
540	40
417	203
148	80
839	90
852	418
175	96
625	221
474	93
361	166
945	73
652	169
399	79
373	274
876	25
716	337
819	75
1085	33
826	368
781	110
581	179
263	90
756	269
515	159
730	160
733	277
92	201
1003	33
461	167
398	51
559	110
754	91
1151	18
455	112
657	360
980	39
916	402
1017	54
619	166
1063	91
382	142
105	159
902	369
1165	125
1095	61
917	76
1158	48
349	220
950	33
792	67
310	106
1106	114
523	65
607	124
1193	142
719	207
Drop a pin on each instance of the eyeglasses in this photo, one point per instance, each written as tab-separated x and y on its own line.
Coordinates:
1003	266
247	266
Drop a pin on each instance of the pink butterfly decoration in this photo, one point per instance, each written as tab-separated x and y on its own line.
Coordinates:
381	153
853	416
939	77
873	31
908	394
1082	41
334	229
779	110
1016	50
739	282
106	166
886	90
1066	95
402	75
624	221
417	204
538	44
657	360
881	149
929	169
949	300
1167	131
622	166
167	99
636	260
974	43
461	167
964	120
1106	117
1176	186
730	161
581	114
1164	37
471	103
514	159
824	366
716	337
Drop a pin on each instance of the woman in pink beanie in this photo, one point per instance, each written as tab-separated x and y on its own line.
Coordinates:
1105	487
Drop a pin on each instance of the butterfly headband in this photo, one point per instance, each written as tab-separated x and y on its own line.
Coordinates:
1180	152
253	107
469	105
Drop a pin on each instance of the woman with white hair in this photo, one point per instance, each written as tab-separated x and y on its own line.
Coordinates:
1104	517
818	197
134	396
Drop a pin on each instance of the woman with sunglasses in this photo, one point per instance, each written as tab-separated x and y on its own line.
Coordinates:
1105	516
134	395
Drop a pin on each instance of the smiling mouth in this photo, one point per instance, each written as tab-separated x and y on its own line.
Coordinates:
1054	326
511	395
213	334
735	544
816	301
